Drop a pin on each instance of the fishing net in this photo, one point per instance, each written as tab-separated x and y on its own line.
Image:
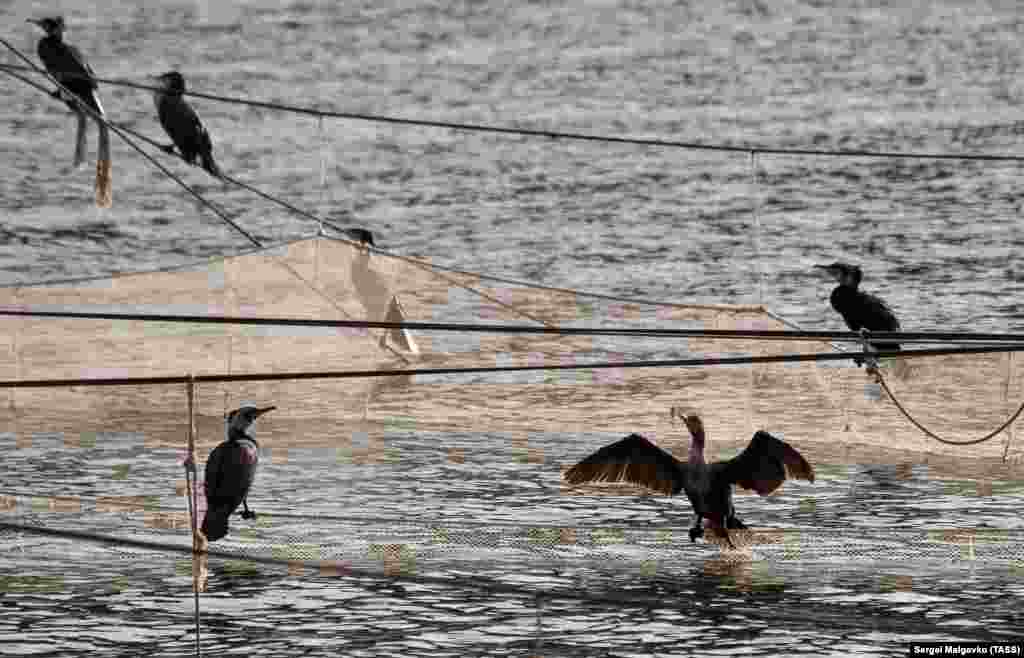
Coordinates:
457	478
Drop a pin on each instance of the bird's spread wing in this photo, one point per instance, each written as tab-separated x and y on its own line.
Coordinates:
632	459
764	465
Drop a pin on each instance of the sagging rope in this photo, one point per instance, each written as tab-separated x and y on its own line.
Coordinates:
557	134
411	372
871	367
1011	340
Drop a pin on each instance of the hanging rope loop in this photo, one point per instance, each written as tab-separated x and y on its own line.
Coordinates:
929	433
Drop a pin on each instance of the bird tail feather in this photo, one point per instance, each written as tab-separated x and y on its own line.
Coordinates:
215	523
104	183
210	165
94	101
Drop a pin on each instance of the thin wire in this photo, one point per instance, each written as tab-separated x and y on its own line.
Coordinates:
745	334
455	524
759	257
121	133
411	372
555	134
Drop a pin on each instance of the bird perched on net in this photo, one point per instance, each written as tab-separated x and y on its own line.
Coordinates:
68	66
763	466
859	309
230	471
361	235
182	124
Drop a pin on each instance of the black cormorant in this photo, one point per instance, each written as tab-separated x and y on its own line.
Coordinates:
182	123
762	466
230	471
66	63
859	309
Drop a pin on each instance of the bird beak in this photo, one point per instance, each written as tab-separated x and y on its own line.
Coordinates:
33	21
263	410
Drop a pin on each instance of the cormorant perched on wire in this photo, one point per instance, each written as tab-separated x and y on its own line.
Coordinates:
230	471
182	123
66	63
762	466
859	309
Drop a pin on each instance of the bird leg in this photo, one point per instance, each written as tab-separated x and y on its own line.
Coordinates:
697	530
80	139
247	513
734	523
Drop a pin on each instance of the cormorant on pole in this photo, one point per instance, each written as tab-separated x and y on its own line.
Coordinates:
182	124
230	471
66	63
763	466
859	309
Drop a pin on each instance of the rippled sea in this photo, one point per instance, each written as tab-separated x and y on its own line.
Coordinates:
936	238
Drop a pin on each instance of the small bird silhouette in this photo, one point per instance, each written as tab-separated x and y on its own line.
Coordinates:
859	309
68	66
182	123
230	471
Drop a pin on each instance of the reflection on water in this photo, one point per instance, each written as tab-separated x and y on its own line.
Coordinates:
861	561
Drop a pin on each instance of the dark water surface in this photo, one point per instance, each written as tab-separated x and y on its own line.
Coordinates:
863	566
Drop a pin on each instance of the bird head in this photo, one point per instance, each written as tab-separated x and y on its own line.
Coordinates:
844	273
695	425
54	25
172	81
692	421
242	418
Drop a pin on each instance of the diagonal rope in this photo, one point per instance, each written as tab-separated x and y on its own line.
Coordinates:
557	134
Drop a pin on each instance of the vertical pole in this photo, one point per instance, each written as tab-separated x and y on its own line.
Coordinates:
323	173
539	628
757	227
193	502
1006	398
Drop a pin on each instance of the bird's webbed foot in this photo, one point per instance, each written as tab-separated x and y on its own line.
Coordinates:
168	148
246	512
696	531
734	523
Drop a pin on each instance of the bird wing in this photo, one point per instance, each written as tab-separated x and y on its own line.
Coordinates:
877	314
184	127
763	465
632	459
214	471
79	60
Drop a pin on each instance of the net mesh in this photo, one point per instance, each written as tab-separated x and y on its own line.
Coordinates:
462	472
